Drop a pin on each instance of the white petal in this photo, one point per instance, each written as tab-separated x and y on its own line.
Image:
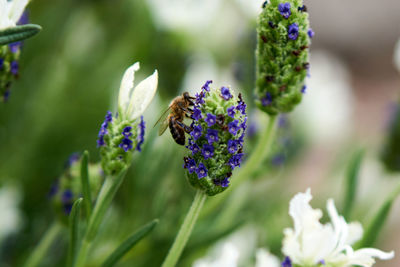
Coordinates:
5	21
365	257
299	207
142	95
126	86
17	9
265	259
355	233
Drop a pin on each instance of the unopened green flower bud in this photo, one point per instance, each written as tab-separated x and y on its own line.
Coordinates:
216	142
122	134
282	55
68	188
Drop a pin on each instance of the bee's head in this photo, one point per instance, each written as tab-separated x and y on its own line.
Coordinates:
188	98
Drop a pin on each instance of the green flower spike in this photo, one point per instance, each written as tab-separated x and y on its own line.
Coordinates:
216	142
120	135
284	37
68	188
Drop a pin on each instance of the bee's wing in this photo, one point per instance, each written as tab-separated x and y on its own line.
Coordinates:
163	121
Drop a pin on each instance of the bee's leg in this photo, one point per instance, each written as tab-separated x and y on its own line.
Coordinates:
191	103
187	129
188	110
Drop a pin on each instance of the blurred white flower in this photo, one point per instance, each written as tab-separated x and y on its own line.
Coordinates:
327	105
233	251
186	15
10	12
132	101
396	56
265	259
228	257
11	218
311	242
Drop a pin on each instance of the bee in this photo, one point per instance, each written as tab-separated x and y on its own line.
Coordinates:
173	117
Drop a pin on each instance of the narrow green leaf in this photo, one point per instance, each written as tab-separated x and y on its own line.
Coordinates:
87	198
74	232
129	243
18	33
351	183
374	228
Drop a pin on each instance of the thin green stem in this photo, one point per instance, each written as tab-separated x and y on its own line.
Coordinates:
257	156
108	190
185	230
43	246
261	151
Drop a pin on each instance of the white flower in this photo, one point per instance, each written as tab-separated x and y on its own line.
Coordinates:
311	242
132	101
10	12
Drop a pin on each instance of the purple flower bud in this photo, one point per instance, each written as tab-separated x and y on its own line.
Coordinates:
206	85
196	132
126	144
293	31
201	171
207	151
225	93
233	127
190	165
196	114
225	182
310	33
127	131
140	138
287	262
211	119
232	146
231	111
212	136
284	9
14	67
267	100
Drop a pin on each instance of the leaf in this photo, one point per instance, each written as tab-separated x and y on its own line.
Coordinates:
18	33
351	183
87	199
129	243
74	232
374	228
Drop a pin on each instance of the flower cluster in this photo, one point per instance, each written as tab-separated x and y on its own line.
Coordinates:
119	136
67	189
9	64
282	55
117	139
216	139
311	243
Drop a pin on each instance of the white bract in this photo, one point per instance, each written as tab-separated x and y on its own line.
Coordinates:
311	242
11	12
133	101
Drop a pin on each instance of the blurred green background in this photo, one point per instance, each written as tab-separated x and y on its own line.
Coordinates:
69	78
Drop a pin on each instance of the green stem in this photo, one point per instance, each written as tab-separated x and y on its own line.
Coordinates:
108	190
258	155
185	230
261	151
40	250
